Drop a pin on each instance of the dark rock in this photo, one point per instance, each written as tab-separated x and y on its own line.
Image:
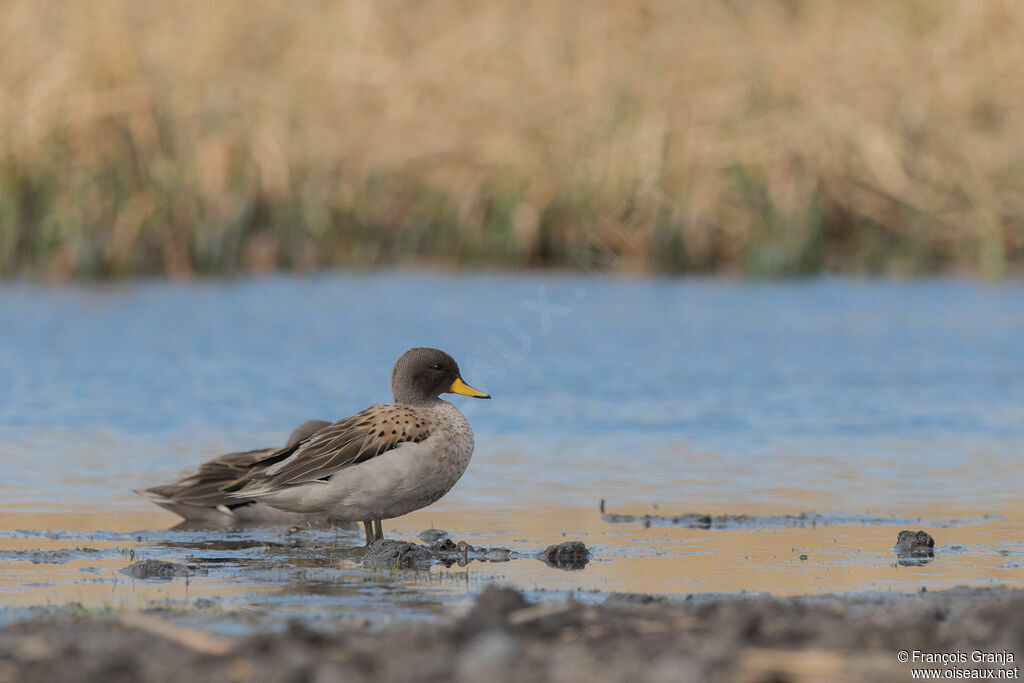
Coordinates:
159	569
391	554
432	535
464	548
915	544
568	555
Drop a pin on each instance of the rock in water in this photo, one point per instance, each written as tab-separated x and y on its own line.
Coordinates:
915	544
568	555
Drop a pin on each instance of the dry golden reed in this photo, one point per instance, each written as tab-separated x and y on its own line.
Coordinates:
749	137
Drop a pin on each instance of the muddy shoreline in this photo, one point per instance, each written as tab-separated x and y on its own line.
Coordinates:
312	607
703	637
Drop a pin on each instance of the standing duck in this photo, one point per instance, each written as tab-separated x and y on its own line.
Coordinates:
381	463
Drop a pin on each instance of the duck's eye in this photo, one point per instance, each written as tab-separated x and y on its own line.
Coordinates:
436	366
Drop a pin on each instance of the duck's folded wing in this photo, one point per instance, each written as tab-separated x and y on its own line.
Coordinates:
205	484
348	442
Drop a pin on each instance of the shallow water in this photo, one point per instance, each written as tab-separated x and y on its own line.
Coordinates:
878	405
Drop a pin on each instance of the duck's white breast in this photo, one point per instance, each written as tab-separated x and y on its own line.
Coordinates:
401	480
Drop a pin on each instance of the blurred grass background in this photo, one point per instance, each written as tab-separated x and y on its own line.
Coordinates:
764	138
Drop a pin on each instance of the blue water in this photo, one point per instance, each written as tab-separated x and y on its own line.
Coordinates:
633	388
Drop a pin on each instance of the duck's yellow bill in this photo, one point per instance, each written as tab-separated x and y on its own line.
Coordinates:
460	387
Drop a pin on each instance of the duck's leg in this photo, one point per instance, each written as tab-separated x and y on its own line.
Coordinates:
368	528
378	529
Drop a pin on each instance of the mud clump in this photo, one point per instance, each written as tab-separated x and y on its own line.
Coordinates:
443	545
432	535
568	555
449	552
159	569
390	554
914	544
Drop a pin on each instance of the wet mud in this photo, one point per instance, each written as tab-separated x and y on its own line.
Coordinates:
159	569
395	555
389	554
695	520
243	580
385	554
505	637
62	556
432	535
449	553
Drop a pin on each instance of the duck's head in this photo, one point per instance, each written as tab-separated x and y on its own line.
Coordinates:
422	374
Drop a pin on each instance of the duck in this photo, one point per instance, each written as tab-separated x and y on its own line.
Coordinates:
198	497
381	463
